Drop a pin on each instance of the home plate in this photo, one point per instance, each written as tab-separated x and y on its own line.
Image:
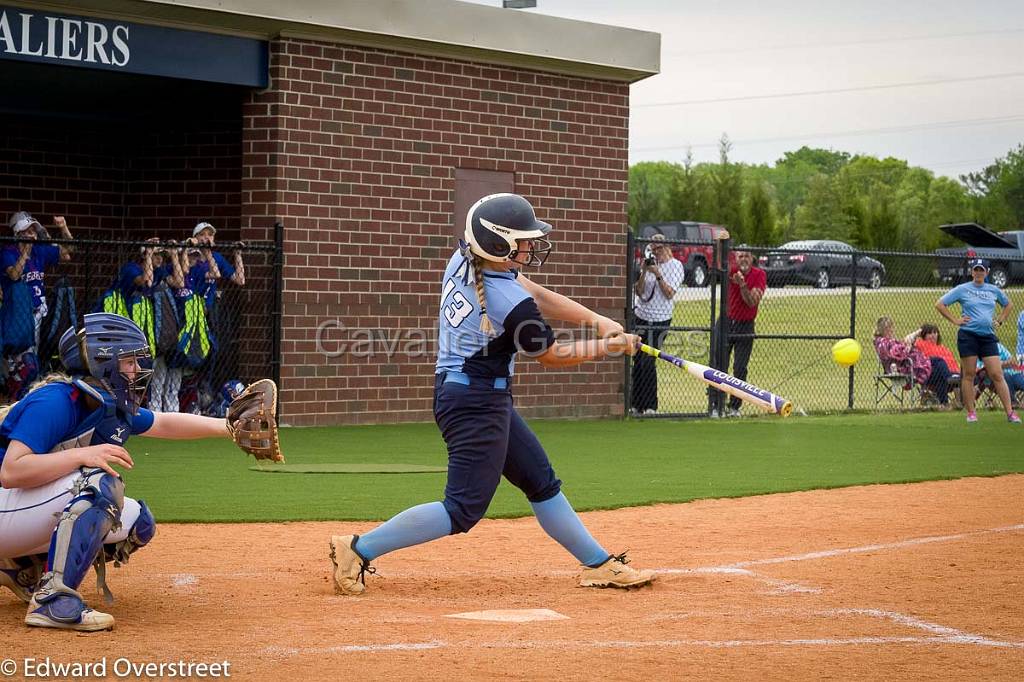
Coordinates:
510	615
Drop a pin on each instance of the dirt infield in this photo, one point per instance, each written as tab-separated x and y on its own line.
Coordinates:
919	581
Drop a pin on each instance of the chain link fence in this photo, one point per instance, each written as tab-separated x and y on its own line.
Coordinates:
818	292
212	314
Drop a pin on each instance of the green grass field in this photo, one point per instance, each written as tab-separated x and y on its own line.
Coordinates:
604	464
803	371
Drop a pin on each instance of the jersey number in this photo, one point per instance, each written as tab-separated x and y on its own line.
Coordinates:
458	309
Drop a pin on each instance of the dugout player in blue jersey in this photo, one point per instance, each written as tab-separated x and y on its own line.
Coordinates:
62	505
976	337
489	312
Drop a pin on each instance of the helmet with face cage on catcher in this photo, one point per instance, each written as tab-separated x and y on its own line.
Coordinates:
103	342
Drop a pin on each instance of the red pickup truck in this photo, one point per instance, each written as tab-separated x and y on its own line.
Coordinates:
694	256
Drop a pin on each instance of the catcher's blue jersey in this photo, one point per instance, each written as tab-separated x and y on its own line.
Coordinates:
518	324
55	417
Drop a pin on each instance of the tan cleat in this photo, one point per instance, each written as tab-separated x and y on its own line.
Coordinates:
615	572
66	611
349	568
21	575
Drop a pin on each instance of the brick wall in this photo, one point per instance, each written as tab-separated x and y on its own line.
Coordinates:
116	180
356	150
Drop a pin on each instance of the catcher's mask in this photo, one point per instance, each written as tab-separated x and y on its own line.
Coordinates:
114	351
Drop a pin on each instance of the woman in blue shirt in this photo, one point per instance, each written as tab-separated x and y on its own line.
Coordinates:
976	337
27	262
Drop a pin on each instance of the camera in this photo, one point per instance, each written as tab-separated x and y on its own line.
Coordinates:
649	258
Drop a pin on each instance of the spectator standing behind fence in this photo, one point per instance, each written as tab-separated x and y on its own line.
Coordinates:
24	266
659	279
945	369
746	287
206	274
166	380
976	337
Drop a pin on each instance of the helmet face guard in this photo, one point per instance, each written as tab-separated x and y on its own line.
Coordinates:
540	249
105	342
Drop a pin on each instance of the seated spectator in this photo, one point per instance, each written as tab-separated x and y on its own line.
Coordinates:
945	369
898	356
22	286
1011	370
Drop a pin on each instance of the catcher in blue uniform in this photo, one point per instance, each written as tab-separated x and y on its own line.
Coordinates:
63	506
490	312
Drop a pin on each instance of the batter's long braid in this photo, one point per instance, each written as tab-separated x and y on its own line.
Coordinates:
481	296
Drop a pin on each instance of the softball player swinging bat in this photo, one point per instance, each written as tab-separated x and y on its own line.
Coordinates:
489	312
715	378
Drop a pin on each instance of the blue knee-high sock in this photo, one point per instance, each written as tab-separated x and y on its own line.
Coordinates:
414	526
559	520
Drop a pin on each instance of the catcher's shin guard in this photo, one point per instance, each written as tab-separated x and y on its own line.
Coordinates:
615	572
350	568
21	575
76	541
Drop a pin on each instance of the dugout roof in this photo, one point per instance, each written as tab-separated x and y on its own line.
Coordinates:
444	28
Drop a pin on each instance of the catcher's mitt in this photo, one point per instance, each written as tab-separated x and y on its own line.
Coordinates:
252	421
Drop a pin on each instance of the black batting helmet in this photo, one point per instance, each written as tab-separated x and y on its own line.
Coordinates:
496	222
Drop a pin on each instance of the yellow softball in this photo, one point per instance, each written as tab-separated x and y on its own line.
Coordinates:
846	352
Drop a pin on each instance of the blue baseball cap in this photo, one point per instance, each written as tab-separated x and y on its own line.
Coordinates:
975	263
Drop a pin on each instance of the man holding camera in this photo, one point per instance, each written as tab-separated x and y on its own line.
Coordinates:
659	279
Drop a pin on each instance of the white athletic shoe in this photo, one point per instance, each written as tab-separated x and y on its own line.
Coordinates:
349	567
67	612
615	572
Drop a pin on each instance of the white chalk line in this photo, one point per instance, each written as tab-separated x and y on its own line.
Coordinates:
740	566
825	554
940	635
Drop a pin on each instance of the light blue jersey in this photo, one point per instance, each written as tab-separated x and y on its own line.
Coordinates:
977	303
1020	334
518	324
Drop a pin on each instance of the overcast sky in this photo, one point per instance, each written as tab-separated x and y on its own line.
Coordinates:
743	50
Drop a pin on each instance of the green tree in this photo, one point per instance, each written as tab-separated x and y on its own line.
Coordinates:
759	216
651	185
1001	205
727	191
822	214
686	202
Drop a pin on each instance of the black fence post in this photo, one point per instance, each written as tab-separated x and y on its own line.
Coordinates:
853	322
277	314
628	317
719	346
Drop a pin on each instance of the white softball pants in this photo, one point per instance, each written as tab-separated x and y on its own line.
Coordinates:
29	515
